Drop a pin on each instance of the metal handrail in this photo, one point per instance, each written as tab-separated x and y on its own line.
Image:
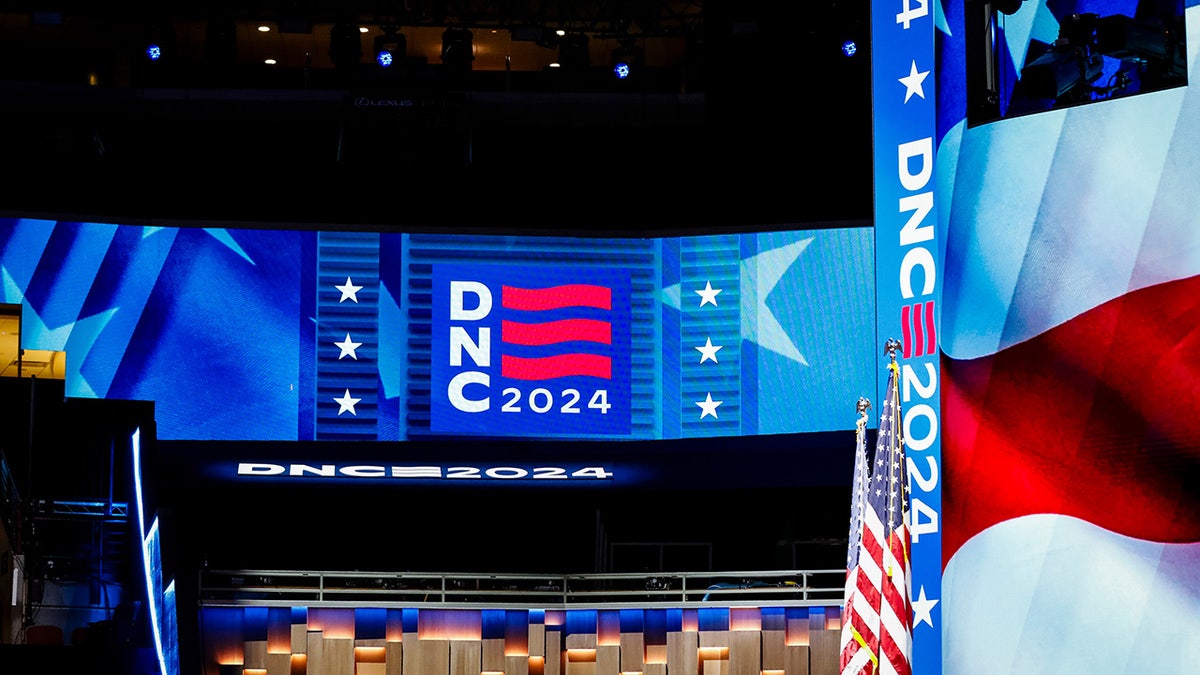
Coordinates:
676	589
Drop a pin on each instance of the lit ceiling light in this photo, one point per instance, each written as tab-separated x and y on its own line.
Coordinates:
153	52
270	62
264	29
363	29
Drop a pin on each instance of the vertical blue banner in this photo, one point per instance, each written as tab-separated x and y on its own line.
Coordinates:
907	278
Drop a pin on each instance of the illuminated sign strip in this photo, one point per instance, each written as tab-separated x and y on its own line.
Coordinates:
907	276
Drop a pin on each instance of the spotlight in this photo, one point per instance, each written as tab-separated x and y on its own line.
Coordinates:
158	43
626	59
849	48
573	51
1007	7
220	42
458	48
1070	66
345	46
390	47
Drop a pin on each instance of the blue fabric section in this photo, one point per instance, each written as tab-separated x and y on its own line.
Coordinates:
632	620
517	625
255	626
773	618
410	620
370	623
654	629
674	620
580	622
713	618
492	624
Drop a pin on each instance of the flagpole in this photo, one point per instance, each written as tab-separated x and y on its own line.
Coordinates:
890	348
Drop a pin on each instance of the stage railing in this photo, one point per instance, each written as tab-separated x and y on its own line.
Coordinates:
674	589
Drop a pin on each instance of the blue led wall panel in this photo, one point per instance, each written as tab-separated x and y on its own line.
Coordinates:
278	335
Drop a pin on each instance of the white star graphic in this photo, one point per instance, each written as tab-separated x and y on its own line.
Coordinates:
912	82
922	607
709	351
708	295
760	274
349	291
346	403
348	348
708	406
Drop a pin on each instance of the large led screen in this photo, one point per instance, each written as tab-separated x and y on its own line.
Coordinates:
1070	326
275	335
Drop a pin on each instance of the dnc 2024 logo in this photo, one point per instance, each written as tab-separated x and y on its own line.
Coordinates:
530	350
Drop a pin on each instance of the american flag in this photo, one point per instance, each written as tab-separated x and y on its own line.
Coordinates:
882	599
860	622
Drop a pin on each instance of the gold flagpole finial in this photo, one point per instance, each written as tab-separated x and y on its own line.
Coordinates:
891	347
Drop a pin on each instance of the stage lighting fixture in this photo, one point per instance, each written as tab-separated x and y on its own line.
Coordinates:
391	47
345	46
626	59
574	51
220	42
458	48
849	48
1125	37
1071	65
1008	7
157	43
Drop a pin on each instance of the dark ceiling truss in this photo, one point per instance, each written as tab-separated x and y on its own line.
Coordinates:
600	18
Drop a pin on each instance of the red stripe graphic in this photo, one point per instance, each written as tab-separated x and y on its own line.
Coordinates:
906	328
550	367
553	332
930	329
1094	418
918	329
919	338
556	297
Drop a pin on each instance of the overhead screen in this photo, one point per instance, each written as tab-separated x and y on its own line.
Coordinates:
1069	330
453	344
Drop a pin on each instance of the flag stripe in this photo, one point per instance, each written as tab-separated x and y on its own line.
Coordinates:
930	329
556	297
551	367
878	587
554	332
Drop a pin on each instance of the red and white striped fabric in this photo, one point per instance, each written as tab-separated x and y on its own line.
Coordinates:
860	619
880	607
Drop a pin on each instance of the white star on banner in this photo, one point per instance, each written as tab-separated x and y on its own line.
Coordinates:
348	348
708	406
922	608
346	403
708	295
913	82
709	351
349	291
